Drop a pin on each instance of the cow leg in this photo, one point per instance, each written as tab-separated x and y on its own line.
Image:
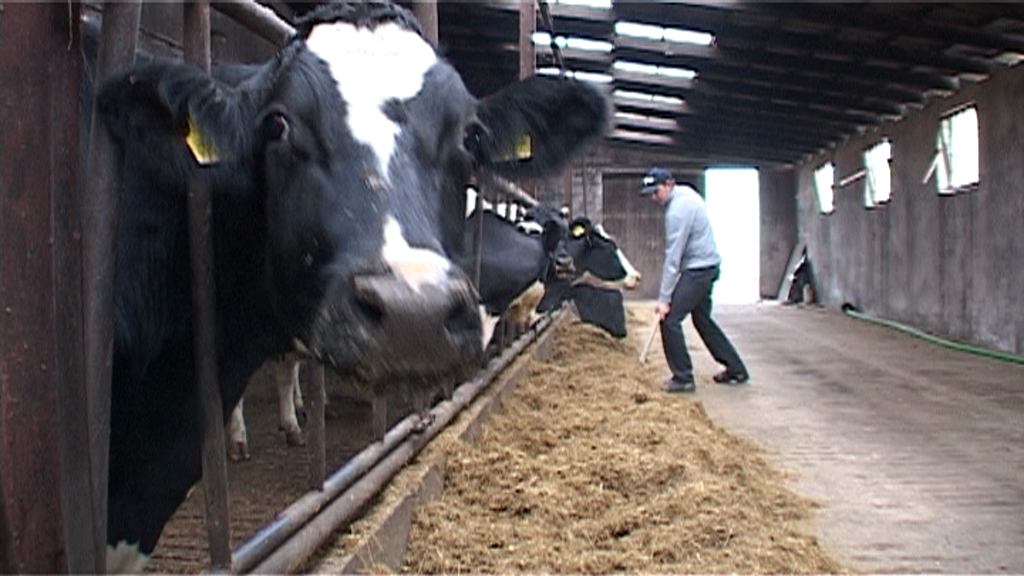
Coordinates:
287	391
238	442
300	405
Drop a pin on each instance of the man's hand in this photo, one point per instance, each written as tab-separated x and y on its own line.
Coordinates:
662	310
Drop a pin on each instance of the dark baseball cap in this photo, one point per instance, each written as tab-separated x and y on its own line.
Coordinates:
654	177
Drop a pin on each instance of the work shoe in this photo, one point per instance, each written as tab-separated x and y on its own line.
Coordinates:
674	386
727	377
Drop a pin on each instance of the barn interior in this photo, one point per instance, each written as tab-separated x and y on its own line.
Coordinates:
786	89
927	237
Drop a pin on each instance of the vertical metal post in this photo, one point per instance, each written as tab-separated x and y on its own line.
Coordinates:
84	544
36	44
215	474
317	431
567	191
100	217
426	13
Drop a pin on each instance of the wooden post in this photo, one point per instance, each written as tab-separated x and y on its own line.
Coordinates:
426	13
527	26
38	150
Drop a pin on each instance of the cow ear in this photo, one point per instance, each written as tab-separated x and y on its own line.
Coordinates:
537	125
580	228
173	117
551	236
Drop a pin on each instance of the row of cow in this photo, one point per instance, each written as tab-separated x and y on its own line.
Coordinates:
338	171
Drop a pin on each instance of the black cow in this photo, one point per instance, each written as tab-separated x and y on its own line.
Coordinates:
602	307
338	171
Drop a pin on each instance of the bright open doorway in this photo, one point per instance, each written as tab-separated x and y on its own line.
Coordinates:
734	209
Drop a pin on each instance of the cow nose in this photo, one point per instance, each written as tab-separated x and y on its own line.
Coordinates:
421	327
564	266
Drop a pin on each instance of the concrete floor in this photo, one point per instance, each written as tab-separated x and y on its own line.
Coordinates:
914	451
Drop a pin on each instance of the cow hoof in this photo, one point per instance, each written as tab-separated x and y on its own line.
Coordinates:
238	452
294	438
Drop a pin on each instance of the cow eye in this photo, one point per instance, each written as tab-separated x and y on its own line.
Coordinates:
275	126
473	139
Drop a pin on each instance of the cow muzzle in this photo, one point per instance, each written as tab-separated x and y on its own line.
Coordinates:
565	267
390	329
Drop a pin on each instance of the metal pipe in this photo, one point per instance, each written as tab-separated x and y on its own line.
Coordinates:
101	210
297	549
255	549
196	35
259	19
82	543
512	189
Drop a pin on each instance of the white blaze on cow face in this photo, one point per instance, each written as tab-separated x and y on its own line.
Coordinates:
632	279
372	67
418	267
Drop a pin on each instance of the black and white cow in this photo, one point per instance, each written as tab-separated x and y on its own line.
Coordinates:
603	270
338	171
512	261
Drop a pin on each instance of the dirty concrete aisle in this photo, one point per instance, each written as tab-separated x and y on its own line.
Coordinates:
914	451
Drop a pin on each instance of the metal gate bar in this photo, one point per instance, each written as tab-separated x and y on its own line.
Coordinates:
196	36
297	549
101	215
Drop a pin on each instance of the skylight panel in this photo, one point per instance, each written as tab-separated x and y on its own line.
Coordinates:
648	97
584	44
595	77
658	33
654	69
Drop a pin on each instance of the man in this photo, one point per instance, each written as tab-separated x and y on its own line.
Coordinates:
689	272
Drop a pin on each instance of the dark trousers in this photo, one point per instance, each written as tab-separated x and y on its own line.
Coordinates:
692	295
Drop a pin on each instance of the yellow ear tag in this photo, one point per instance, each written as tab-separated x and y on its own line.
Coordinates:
524	147
578	230
201	147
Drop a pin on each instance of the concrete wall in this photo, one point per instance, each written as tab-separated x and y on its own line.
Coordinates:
778	227
950	265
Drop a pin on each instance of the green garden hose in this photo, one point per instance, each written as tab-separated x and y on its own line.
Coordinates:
850	310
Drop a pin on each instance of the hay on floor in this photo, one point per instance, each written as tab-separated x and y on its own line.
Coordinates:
590	468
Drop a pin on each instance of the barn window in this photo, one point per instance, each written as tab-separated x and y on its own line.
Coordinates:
823	180
878	186
956	157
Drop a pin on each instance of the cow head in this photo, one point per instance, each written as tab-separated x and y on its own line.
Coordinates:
554	236
359	143
599	257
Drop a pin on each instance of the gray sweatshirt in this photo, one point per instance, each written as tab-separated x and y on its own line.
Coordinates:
689	240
